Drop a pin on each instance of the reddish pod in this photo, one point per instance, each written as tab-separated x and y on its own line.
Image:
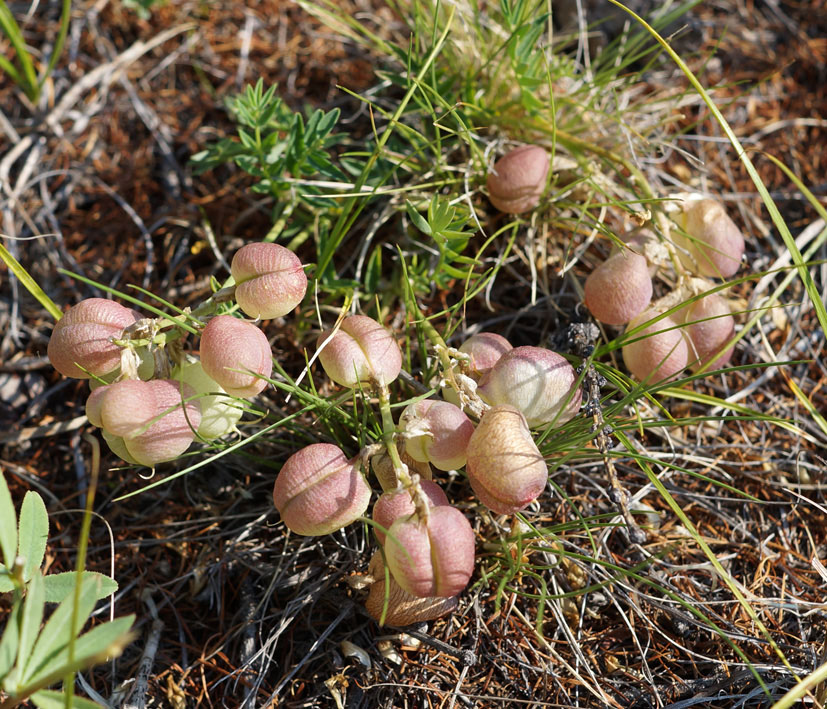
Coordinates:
270	280
82	338
660	353
619	288
710	326
518	178
398	503
506	469
400	607
236	354
538	382
437	432
359	353
485	350
319	490
150	419
433	556
713	244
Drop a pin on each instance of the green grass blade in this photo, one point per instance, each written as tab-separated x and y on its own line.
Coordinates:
803	688
29	283
9	26
65	18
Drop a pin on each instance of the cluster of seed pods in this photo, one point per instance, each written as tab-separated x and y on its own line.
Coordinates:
428	545
619	292
150	409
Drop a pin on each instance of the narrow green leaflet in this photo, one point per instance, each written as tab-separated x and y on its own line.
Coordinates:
6	584
8	524
9	641
52	699
32	533
98	645
32	617
59	586
58	630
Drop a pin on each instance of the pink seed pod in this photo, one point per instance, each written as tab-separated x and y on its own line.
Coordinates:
437	433
219	413
619	288
83	337
538	382
715	244
433	556
706	338
505	467
233	352
124	407
518	179
359	353
270	280
398	503
662	355
151	418
485	350
402	607
319	490
118	447
93	405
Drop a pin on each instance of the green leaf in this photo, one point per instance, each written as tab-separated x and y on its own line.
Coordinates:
32	533
103	641
418	220
8	524
6	584
53	699
9	641
32	618
327	123
59	628
59	586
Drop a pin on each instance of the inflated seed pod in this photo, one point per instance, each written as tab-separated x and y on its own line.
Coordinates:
710	326
83	338
236	354
661	353
382	467
714	245
360	352
505	468
402	607
93	405
270	280
538	382
485	350
518	179
118	447
432	556
152	418
398	503
122	408
319	490
219	412
437	432
619	288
